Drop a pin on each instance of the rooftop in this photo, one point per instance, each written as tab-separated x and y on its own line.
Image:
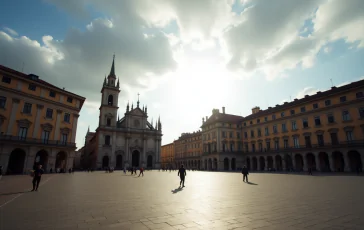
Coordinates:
319	95
35	78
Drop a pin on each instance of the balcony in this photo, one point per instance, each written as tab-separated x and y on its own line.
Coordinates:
34	141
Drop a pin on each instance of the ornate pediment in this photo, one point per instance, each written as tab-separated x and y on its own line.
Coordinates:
47	127
65	130
24	123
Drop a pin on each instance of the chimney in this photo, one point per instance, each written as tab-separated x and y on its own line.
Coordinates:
223	110
255	110
203	120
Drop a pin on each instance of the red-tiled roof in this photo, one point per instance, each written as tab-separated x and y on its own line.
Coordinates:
222	117
19	74
319	95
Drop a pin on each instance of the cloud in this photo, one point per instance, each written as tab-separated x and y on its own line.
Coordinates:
11	31
336	19
327	49
81	60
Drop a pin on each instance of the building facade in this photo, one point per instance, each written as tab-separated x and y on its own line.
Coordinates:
127	142
38	123
188	150
167	156
221	141
323	132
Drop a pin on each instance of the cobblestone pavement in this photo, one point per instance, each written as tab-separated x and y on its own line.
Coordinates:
210	200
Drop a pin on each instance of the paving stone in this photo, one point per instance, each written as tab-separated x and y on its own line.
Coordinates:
210	200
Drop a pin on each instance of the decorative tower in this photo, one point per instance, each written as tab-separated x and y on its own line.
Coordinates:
109	100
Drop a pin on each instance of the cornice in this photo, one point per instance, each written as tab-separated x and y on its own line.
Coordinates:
38	98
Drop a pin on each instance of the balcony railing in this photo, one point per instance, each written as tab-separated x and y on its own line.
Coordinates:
17	139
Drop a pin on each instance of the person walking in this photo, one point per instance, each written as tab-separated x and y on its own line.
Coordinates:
124	169
245	173
37	175
141	171
182	174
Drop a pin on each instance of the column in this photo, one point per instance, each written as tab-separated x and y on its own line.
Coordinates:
144	149
274	163
74	127
113	150
346	162
14	109
37	120
293	158
58	121
317	162
258	163
266	164
331	161
305	166
283	163
127	151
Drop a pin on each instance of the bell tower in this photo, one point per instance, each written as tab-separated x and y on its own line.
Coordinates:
109	99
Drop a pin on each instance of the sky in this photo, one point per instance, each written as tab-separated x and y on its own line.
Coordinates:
187	57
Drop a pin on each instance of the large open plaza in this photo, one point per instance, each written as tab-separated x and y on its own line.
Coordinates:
209	200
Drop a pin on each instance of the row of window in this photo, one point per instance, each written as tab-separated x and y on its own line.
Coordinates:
303	108
223	133
33	87
296	144
27	109
23	132
305	124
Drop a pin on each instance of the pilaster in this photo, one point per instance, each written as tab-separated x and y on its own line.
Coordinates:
317	162
283	163
37	120
266	164
346	162
58	121
14	108
258	163
74	127
305	166
331	161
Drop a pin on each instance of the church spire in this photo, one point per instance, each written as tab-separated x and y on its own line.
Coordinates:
138	101
112	71
88	130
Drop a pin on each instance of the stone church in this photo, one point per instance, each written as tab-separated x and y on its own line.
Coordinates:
122	142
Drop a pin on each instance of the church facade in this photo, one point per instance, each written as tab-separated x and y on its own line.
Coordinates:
130	141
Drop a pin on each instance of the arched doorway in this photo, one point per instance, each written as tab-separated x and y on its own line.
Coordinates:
226	164
270	162
105	162
41	159
135	158
262	163
16	162
278	163
255	163
339	163
150	161
299	162
61	160
289	162
324	162
355	161
119	161
215	164
248	163
311	161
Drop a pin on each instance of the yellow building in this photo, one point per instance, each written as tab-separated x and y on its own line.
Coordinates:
38	123
188	150
167	156
221	141
323	132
